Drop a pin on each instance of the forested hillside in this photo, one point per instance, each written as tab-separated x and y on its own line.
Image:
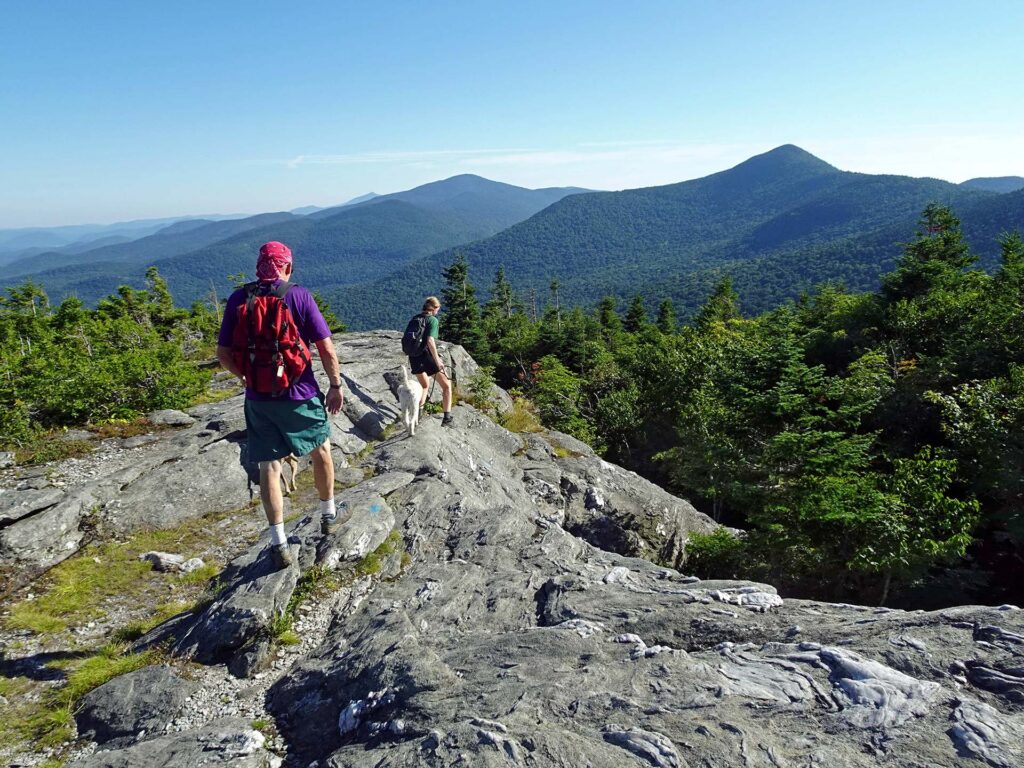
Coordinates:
1000	184
870	443
780	222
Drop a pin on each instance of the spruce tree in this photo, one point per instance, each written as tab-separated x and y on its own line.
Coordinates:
936	257
721	306
460	317
636	315
666	321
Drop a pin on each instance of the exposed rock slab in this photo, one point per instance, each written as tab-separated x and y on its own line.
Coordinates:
133	705
229	741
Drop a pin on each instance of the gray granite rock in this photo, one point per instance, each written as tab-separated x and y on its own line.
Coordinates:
171	418
6	459
510	641
228	741
146	700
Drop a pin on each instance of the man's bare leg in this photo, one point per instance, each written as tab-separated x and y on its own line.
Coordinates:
323	471
270	491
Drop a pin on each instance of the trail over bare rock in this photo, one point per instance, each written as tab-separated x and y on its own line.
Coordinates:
530	606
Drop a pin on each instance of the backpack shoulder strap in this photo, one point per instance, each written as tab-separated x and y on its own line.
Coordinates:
281	290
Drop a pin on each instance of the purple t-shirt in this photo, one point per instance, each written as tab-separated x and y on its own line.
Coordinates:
312	328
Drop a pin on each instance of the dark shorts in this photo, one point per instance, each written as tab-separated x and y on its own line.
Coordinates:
423	364
276	428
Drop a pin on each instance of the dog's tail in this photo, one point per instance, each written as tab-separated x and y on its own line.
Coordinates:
405	373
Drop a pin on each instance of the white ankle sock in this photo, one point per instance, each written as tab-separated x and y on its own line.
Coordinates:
277	535
327	508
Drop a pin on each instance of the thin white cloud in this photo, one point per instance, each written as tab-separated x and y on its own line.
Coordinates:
944	153
390	157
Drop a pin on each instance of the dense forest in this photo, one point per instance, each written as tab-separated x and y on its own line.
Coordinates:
869	445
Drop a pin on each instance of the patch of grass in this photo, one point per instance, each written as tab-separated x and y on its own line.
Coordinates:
215	395
315	582
260	725
49	447
374	561
433	408
281	625
522	418
200	575
78	589
111	661
289	637
48	722
365	451
133	630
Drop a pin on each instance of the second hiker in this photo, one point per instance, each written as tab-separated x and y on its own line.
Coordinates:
420	344
264	339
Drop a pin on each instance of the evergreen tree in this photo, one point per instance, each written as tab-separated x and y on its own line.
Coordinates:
502	302
935	257
636	315
666	321
723	305
460	318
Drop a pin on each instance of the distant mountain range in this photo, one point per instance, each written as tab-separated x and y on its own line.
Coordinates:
1000	184
780	222
357	241
26	241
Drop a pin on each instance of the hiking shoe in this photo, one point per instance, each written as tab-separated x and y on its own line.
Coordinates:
329	525
280	555
448	420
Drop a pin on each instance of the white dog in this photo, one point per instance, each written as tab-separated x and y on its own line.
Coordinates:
409	393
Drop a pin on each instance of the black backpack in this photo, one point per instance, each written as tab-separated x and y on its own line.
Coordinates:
415	337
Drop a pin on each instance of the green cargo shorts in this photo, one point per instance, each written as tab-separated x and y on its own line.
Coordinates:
276	428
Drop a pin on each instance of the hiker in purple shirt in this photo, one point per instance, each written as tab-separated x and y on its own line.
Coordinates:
293	422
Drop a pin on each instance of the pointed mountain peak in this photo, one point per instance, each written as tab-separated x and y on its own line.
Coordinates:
788	160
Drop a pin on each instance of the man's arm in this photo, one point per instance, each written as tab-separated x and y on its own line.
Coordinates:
329	359
227	361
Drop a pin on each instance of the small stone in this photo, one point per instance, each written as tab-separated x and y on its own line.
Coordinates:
171	418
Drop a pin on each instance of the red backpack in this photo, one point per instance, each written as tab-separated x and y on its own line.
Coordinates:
266	345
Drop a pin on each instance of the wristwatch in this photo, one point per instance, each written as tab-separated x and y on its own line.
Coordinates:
334	386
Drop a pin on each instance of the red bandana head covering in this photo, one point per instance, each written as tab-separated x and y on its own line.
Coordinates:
274	257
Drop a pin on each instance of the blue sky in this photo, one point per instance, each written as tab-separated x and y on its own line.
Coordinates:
115	111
